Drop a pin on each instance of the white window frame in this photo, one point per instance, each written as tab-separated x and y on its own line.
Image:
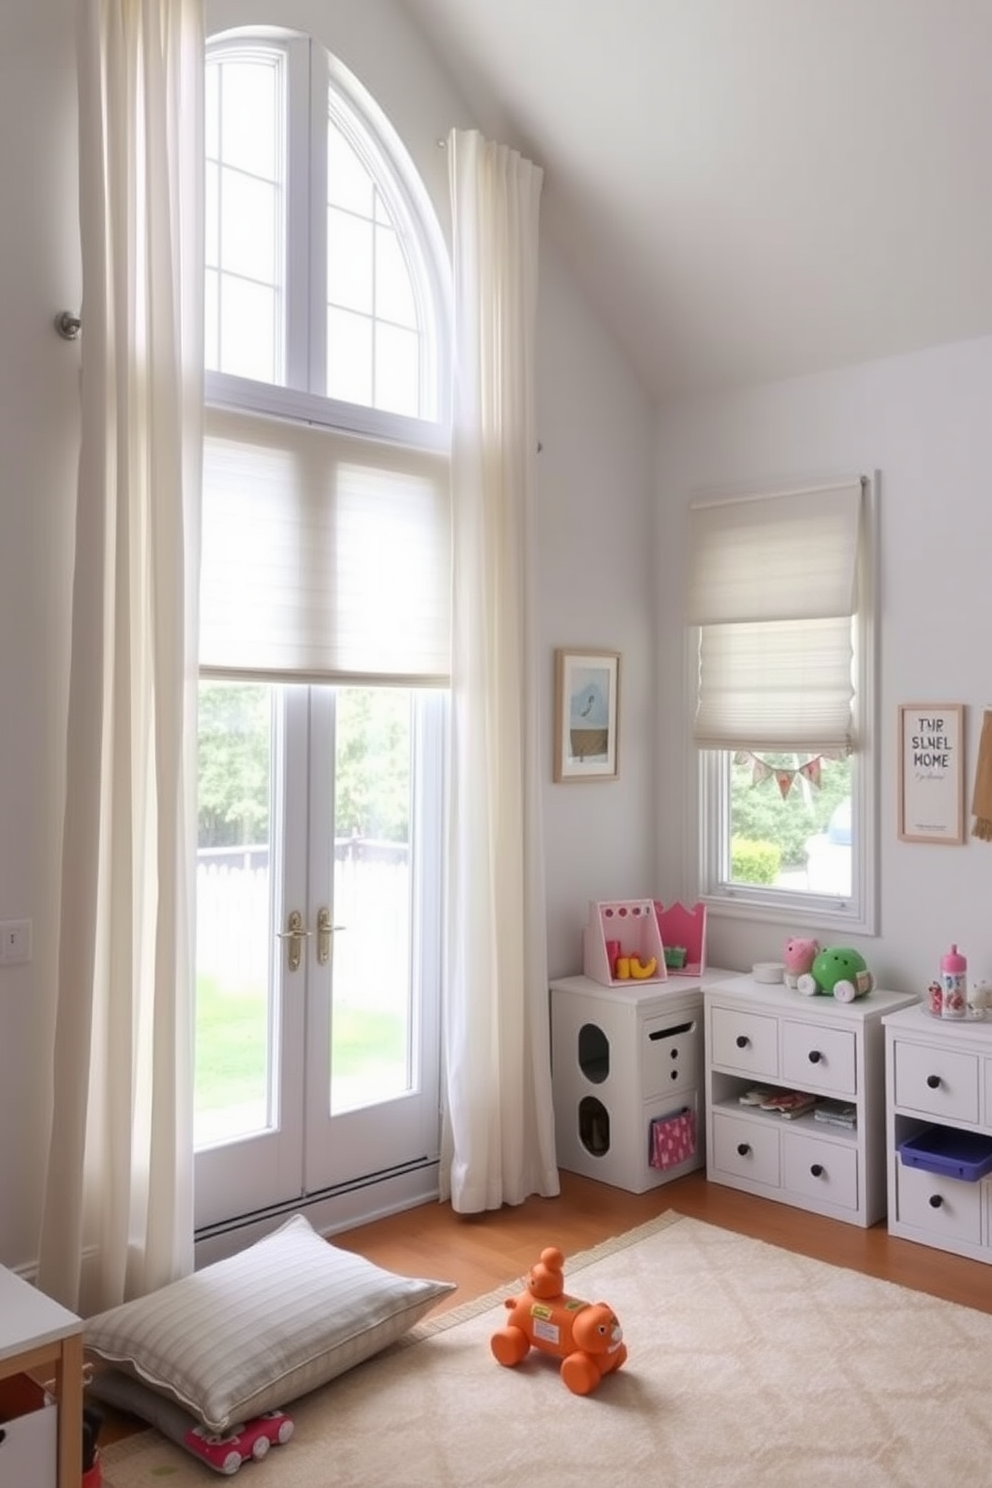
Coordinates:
316	87
309	61
707	792
304	249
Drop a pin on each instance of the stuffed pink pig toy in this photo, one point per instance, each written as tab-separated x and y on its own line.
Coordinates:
798	957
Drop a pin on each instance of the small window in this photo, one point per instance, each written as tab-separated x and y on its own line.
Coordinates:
780	608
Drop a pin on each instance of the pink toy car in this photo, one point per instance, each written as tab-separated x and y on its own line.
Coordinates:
226	1453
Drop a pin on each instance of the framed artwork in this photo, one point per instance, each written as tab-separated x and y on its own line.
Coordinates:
587	714
931	772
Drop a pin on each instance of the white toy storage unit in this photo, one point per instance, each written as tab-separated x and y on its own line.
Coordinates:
627	1070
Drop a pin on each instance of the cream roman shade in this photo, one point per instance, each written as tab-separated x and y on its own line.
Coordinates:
325	556
773	590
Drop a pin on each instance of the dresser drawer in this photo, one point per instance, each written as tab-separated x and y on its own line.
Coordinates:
945	1209
814	1055
671	1053
826	1172
746	1149
936	1081
745	1041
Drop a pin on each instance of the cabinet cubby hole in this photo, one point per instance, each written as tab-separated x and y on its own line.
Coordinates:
594	1126
594	1053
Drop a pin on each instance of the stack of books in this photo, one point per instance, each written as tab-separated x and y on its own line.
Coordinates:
836	1113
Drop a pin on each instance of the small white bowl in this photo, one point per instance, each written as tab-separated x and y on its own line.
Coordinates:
768	971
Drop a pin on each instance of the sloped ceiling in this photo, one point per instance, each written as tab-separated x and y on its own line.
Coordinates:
750	189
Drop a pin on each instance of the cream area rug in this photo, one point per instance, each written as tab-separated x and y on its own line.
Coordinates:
748	1366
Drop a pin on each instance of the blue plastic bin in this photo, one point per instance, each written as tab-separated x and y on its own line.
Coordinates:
949	1152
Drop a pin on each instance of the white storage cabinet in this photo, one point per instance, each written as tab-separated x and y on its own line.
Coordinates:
40	1444
622	1057
771	1035
939	1076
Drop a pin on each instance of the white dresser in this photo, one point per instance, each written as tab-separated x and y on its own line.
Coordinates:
760	1035
939	1075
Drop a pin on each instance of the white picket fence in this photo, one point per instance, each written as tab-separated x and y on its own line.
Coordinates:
234	933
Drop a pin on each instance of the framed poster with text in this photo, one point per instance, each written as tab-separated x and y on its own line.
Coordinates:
931	772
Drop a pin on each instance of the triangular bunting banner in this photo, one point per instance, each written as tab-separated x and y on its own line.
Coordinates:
784	777
811	771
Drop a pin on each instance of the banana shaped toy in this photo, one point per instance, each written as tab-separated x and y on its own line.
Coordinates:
639	972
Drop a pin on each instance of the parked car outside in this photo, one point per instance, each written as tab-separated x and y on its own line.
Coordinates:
828	854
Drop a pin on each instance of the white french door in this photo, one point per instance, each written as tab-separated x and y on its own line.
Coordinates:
318	942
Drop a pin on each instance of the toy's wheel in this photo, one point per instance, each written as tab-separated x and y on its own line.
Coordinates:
285	1431
231	1464
260	1447
845	991
509	1345
806	984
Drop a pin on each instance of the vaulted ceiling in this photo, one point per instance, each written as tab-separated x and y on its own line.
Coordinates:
749	189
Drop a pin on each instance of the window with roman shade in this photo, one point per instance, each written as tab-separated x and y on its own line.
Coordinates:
325	555
773	587
326	515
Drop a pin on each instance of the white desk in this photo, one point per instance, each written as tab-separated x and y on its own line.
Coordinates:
41	1338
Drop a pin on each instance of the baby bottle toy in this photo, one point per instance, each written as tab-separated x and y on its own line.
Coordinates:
953	984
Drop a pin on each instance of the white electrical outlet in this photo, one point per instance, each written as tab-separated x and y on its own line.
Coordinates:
15	942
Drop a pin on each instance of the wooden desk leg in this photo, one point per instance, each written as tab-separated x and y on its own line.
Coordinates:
69	1388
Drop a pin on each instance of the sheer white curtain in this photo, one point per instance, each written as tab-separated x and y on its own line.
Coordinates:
498	1136
119	1181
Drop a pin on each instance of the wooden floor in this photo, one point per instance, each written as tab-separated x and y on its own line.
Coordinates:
481	1252
487	1251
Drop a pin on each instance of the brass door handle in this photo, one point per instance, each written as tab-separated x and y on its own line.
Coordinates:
324	932
295	934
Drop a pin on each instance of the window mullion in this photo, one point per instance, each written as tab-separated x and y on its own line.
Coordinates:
296	280
317	225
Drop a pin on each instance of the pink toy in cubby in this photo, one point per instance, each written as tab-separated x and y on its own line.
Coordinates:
622	942
797	958
685	928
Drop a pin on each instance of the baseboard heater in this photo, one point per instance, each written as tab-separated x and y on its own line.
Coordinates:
311	1200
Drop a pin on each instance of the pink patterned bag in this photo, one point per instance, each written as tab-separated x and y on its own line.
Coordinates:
673	1138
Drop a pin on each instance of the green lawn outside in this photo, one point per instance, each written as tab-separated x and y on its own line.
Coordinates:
231	1044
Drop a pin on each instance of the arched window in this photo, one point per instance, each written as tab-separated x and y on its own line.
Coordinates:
324	268
324	651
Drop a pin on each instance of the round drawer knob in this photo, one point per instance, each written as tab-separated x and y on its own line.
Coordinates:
815	1056
743	1149
933	1081
935	1201
742	1041
817	1170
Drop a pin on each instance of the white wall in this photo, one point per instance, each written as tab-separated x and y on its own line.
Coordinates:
597	583
38	440
595	477
924	422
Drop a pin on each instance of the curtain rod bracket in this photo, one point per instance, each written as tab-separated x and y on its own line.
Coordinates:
68	325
